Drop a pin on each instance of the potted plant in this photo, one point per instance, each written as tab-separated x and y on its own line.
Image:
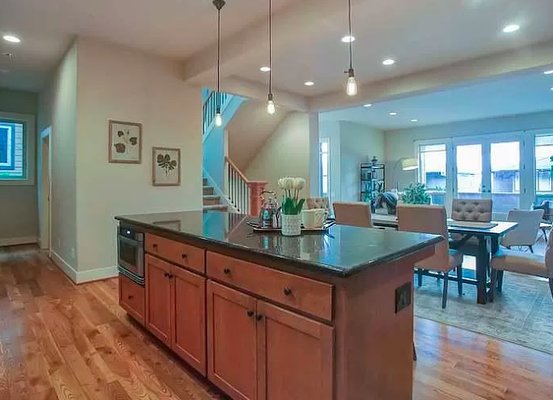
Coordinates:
416	194
291	205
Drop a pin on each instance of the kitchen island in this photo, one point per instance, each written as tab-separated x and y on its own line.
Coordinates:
262	316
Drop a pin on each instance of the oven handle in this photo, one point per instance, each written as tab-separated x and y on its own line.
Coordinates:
133	242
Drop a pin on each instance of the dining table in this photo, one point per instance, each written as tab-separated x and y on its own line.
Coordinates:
487	235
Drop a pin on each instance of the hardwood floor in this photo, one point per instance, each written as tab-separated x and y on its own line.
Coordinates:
62	341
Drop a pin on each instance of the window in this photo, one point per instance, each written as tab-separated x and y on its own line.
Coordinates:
12	151
544	180
433	167
324	184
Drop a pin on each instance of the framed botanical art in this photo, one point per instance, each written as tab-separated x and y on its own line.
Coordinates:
125	142
165	166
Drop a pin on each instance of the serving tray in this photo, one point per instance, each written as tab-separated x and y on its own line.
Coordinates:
324	228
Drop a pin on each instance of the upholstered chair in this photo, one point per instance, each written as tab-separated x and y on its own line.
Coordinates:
477	210
318	202
526	232
355	214
433	220
523	263
474	210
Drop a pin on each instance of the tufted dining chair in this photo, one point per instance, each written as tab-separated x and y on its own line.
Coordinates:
477	210
526	232
473	210
318	202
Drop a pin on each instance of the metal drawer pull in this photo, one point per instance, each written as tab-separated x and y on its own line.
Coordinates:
259	317
226	271
287	292
250	313
130	297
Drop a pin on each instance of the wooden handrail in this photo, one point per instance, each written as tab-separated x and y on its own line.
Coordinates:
244	178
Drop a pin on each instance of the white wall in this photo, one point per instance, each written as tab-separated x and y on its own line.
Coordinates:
97	82
401	143
18	203
285	153
350	145
58	109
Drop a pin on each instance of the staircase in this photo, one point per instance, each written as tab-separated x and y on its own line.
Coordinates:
212	201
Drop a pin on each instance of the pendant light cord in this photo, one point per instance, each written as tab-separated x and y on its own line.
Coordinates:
350	36
219	60
271	46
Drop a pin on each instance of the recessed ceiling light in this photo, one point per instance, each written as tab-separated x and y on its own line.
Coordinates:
393	114
511	28
309	83
414	120
265	69
389	61
367	105
551	89
11	39
550	72
348	39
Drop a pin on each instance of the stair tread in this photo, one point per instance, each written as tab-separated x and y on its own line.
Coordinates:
215	207
211	196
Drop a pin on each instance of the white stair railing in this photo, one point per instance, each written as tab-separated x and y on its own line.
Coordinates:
244	195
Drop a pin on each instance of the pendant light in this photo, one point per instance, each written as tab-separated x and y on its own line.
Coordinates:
351	83
219	4
271	109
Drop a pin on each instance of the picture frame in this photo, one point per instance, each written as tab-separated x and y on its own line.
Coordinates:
166	166
125	142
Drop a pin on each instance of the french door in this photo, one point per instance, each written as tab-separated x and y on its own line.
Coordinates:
489	168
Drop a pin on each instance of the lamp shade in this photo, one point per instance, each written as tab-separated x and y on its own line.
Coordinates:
409	164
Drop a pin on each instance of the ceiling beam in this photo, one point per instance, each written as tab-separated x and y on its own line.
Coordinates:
509	62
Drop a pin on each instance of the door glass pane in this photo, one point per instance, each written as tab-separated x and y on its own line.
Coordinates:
544	179
433	167
324	183
469	171
505	169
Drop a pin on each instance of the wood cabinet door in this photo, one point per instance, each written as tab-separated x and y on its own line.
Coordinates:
231	341
295	356
158	298
188	318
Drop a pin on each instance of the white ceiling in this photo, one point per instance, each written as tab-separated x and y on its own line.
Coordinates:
509	95
420	34
171	28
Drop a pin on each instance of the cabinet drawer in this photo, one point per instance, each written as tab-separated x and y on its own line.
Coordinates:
303	294
131	298
176	252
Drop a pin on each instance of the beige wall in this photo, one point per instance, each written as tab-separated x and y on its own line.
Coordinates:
18	204
125	85
285	153
58	110
97	82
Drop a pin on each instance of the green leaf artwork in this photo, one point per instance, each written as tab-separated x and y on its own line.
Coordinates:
164	162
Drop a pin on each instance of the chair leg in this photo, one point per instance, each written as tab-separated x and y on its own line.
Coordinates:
414	352
500	275
460	280
419	277
531	249
446	283
494	285
551	286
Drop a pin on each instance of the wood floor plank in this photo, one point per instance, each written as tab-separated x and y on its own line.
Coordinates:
63	341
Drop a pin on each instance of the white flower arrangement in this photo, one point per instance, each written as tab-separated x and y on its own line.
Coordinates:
292	204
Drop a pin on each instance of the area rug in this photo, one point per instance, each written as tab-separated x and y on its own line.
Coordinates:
522	314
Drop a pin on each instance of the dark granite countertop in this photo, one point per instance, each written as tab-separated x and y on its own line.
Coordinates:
343	251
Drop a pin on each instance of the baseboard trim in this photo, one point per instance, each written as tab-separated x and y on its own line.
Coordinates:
79	277
18	241
96	274
64	266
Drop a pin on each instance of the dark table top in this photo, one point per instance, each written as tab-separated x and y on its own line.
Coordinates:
500	228
342	251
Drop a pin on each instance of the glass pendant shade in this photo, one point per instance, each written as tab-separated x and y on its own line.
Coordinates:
351	84
218	119
271	109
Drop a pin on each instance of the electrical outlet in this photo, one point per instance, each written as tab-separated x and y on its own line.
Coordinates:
403	296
